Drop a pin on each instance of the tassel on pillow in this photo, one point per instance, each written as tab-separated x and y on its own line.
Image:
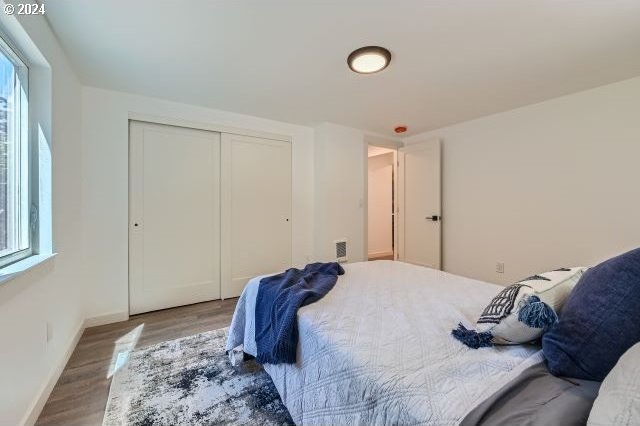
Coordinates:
472	338
537	314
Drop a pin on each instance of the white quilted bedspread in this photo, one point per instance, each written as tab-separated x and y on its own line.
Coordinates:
377	349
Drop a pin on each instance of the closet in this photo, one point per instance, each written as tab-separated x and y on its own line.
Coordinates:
208	211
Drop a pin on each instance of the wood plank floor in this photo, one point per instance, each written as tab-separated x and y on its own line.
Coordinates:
80	396
389	257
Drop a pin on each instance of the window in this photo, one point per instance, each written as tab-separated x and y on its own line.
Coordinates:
15	229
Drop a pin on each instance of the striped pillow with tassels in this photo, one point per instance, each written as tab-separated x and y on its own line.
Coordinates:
522	312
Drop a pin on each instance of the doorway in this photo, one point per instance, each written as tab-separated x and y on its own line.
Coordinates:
381	220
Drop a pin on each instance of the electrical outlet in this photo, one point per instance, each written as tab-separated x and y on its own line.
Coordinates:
500	268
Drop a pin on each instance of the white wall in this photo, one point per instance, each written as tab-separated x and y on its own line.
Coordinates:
544	186
51	292
105	185
340	173
380	205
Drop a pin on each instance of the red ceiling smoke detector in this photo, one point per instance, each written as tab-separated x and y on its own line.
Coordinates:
400	129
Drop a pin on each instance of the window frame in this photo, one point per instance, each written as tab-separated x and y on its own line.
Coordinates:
7	48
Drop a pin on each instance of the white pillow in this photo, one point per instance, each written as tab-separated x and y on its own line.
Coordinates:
554	287
523	311
618	402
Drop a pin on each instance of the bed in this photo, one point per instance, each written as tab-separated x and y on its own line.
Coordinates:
377	349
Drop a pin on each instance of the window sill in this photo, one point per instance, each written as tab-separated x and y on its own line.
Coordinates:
20	267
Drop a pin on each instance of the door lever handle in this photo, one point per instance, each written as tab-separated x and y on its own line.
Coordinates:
434	218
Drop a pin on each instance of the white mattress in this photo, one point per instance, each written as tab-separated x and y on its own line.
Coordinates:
377	349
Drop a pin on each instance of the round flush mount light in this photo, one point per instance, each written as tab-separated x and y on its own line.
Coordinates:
400	129
369	59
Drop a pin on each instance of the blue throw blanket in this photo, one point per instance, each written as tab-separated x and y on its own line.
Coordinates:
279	298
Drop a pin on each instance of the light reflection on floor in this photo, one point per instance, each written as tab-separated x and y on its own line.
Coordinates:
122	348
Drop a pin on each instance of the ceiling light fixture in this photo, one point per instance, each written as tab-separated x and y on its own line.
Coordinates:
369	59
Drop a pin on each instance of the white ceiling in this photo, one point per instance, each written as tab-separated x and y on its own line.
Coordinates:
286	60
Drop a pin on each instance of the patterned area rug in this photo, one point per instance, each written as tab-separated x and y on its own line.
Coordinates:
190	381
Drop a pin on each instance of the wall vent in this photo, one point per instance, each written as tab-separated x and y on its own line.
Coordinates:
341	250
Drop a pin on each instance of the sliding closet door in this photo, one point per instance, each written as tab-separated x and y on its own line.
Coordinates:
256	209
174	254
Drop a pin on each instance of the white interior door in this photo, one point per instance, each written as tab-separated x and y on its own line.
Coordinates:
174	238
256	209
419	188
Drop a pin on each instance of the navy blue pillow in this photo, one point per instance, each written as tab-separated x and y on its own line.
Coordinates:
599	321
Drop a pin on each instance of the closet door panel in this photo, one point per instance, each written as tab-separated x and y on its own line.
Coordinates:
174	254
256	209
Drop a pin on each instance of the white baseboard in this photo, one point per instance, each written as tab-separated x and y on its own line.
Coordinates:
105	319
36	407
